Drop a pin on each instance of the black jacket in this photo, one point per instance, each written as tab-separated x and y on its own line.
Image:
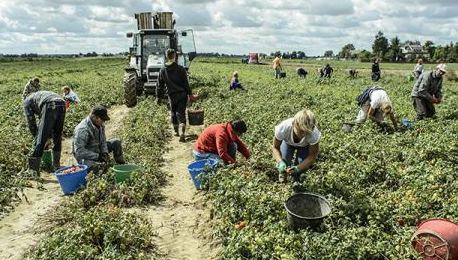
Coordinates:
174	77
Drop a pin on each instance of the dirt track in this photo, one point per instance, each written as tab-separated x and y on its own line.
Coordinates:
182	220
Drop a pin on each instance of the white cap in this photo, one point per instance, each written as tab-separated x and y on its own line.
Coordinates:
442	67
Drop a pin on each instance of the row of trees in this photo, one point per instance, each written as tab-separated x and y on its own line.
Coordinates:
390	50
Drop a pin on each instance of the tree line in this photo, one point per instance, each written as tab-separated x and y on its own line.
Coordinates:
391	50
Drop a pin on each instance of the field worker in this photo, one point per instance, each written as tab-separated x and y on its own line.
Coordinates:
175	78
70	96
301	72
235	83
50	108
89	140
353	73
222	141
427	91
418	70
32	86
295	145
326	71
376	105
376	73
276	64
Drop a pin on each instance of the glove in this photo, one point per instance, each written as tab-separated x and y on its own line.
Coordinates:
104	157
281	166
293	169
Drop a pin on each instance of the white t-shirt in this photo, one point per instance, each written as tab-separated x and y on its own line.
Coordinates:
378	97
284	132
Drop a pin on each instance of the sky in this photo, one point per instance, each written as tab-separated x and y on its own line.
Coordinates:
225	26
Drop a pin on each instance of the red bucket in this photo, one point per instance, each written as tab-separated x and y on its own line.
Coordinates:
436	239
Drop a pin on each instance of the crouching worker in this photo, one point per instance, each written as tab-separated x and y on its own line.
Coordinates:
295	145
301	72
50	108
375	104
222	141
70	96
89	141
235	83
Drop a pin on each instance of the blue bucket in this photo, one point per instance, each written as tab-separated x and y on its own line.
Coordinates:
407	123
198	170
71	182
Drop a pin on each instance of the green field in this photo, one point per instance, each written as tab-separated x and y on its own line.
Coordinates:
380	184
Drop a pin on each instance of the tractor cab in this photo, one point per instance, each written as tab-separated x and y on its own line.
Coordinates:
148	52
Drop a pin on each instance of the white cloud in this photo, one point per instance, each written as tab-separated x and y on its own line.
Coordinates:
232	26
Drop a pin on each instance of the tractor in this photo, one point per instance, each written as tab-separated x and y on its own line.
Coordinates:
155	35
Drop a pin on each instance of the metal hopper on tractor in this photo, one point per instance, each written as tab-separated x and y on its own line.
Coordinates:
156	33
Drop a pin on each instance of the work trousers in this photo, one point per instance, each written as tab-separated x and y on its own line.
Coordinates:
51	125
178	104
423	107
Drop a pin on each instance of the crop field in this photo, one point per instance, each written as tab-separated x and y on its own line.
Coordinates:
379	183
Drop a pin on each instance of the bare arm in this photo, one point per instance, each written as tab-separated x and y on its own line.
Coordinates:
393	120
308	161
276	150
371	113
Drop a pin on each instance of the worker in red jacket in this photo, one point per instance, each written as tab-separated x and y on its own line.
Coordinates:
221	141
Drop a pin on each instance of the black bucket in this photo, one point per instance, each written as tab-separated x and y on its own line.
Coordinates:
306	210
196	117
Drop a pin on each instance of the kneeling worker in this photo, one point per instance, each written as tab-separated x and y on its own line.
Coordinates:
375	104
296	145
89	140
222	141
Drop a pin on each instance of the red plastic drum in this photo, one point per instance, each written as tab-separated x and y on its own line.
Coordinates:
436	239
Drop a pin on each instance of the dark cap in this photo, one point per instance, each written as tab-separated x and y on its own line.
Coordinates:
101	112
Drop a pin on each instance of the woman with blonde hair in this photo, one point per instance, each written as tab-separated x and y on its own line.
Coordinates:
295	144
377	107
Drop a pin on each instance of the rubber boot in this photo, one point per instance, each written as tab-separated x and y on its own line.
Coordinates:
34	165
120	160
183	130
175	128
55	160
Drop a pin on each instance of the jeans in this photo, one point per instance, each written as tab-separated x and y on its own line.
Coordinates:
232	150
277	73
288	152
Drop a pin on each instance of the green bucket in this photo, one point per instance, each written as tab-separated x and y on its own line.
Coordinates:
123	171
46	159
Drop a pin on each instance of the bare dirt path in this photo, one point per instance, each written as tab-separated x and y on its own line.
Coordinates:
182	221
16	229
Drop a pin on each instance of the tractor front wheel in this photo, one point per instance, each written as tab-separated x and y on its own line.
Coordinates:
130	88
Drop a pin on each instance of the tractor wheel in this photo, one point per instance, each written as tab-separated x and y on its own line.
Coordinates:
130	88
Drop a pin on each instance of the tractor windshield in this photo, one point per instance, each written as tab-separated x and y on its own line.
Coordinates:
155	44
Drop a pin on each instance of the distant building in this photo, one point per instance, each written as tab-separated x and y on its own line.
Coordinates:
414	51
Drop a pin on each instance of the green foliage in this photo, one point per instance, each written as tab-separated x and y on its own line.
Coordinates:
99	233
379	183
